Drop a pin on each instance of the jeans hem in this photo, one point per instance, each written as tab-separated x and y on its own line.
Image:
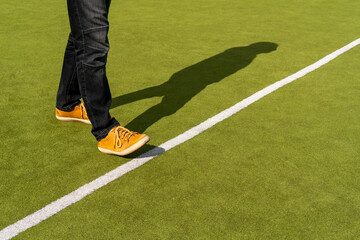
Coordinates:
69	108
106	131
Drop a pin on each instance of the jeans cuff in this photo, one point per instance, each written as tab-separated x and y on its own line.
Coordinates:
106	131
70	107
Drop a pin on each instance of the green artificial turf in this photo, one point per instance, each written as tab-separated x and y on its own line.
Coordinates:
286	167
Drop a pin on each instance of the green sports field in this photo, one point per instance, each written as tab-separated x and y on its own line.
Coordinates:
286	167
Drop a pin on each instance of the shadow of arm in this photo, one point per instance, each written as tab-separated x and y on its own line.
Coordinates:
136	96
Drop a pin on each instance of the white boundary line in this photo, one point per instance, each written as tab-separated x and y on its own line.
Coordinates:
75	196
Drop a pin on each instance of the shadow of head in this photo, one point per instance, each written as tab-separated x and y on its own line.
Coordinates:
220	66
254	49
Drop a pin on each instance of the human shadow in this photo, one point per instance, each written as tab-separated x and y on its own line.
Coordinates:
186	83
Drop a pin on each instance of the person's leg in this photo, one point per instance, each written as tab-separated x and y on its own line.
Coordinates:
89	28
68	95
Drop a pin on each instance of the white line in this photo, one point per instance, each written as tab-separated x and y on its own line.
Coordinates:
75	196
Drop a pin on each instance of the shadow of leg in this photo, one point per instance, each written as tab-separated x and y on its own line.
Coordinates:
151	116
146	151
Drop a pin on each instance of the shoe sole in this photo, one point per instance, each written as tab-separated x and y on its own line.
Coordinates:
69	119
129	150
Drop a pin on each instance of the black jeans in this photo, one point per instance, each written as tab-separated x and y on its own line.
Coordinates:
84	73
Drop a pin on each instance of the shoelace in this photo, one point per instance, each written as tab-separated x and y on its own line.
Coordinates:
83	111
122	133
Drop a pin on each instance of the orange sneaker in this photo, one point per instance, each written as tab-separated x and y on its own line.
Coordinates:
78	114
121	141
